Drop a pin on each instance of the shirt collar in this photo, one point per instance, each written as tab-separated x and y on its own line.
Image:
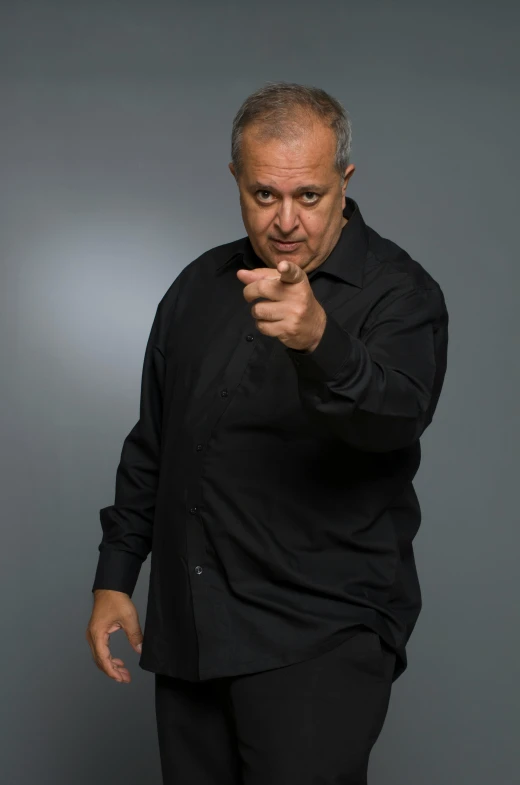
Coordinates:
345	261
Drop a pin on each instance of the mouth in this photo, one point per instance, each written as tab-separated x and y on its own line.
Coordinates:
281	246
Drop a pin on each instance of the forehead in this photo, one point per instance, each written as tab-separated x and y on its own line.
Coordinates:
310	150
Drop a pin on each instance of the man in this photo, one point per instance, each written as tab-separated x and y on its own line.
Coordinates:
287	380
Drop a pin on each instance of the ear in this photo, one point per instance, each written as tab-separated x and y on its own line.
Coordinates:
349	171
232	170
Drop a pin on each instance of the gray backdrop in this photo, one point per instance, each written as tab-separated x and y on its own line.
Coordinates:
115	126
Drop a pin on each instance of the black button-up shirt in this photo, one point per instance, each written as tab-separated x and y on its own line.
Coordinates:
272	486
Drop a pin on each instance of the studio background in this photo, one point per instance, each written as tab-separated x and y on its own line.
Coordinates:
116	123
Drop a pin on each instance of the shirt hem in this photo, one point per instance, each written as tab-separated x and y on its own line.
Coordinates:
254	666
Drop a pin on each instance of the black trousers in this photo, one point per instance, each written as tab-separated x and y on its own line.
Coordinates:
311	723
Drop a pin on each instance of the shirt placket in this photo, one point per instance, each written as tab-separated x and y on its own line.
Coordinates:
209	608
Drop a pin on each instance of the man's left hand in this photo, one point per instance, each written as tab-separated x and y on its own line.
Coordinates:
293	315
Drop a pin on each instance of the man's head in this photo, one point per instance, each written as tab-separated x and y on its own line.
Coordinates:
290	151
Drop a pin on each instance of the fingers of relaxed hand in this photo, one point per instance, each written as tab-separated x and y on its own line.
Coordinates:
102	656
121	669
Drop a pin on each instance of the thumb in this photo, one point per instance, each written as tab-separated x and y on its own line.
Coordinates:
135	636
290	272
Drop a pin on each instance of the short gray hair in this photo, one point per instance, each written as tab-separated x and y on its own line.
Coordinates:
278	109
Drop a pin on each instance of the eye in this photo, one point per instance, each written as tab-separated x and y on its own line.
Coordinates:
263	196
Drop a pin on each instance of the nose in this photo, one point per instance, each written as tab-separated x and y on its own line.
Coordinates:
287	217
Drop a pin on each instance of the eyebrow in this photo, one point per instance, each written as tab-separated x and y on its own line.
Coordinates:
302	188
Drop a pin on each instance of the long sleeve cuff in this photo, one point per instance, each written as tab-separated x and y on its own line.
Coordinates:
328	357
117	570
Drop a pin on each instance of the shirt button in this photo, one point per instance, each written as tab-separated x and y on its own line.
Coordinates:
199	447
193	510
250	337
223	393
198	570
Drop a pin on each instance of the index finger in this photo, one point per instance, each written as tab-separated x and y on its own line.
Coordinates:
260	272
